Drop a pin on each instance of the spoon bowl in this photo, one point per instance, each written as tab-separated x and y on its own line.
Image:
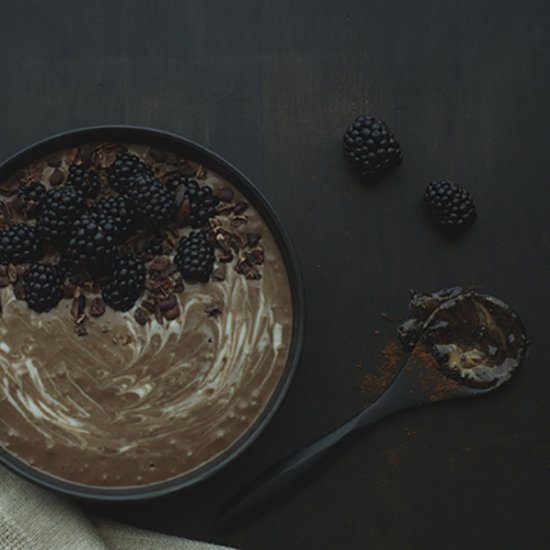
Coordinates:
463	344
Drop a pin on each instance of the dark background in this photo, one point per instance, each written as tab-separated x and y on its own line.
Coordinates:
271	86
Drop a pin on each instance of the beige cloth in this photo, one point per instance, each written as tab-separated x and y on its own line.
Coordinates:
32	518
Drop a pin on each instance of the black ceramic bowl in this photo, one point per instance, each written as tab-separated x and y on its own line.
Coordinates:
192	151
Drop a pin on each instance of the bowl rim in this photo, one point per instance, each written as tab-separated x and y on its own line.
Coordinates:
130	134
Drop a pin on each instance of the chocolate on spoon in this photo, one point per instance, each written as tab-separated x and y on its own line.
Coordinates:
463	344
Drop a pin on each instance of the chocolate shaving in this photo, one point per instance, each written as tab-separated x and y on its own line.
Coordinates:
22	269
253	239
179	194
240	207
219	273
238	241
19	289
78	306
215	224
179	285
71	155
160	263
173	160
253	274
138	244
81	319
223	240
188	167
244	268
10	187
213	310
166	286
158	155
256	256
225	208
170	270
183	211
149	306
225	194
12	273
80	330
153	285
226	257
97	307
86	153
54	161
105	154
56	178
201	172
168	303
141	316
238	220
158	315
90	286
165	172
170	241
21	207
172	314
104	186
6	212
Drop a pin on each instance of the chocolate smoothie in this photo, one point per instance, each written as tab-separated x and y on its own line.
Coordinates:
110	398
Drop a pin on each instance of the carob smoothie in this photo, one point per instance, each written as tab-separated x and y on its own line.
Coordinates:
157	342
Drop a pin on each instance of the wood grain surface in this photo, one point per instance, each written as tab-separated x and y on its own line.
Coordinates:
271	86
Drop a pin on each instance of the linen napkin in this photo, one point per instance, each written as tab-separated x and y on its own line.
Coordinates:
32	518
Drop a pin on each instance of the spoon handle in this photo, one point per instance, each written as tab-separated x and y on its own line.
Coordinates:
291	473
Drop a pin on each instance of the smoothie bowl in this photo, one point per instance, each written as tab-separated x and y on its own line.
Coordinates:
152	313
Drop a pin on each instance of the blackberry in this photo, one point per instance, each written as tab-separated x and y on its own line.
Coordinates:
43	286
84	179
32	197
19	244
195	257
371	147
92	246
123	171
125	284
120	212
153	203
202	204
450	204
60	208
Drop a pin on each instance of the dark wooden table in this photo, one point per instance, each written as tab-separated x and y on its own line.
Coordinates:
272	85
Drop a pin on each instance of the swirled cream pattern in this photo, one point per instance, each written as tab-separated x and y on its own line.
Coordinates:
131	405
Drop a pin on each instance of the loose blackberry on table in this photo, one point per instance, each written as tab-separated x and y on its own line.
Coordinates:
371	147
19	244
195	257
451	205
43	287
86	180
126	283
33	196
60	208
